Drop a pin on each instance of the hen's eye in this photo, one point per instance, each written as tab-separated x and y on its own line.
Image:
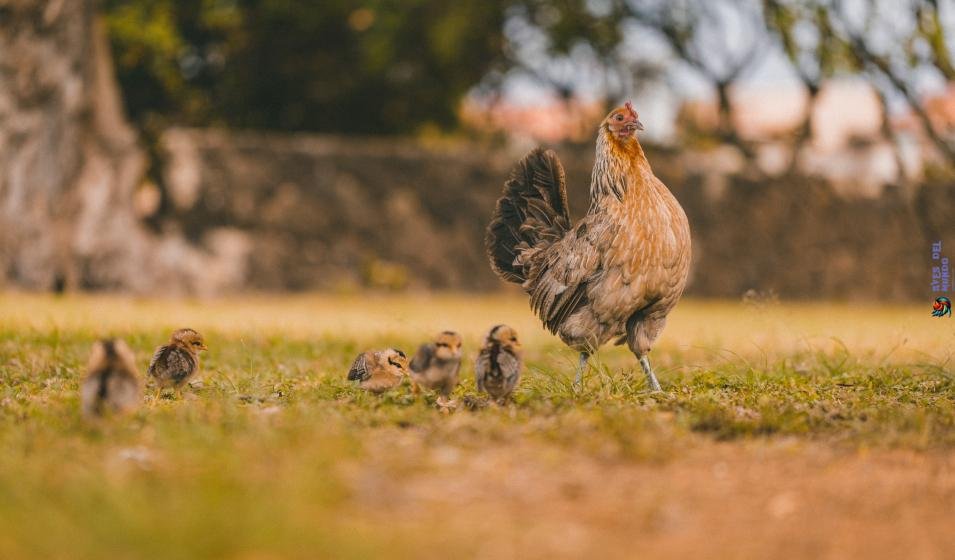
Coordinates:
196	343
619	117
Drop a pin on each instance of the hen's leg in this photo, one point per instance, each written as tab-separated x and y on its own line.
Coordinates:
641	331
581	364
651	379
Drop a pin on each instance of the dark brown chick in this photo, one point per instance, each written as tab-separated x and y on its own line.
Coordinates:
174	364
617	273
379	370
499	362
111	384
436	365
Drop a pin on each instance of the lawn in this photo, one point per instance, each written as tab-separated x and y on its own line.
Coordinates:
783	430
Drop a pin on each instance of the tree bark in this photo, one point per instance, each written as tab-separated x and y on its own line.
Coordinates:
69	161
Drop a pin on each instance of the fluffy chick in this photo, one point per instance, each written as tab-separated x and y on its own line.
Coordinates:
111	384
174	364
436	365
499	362
379	370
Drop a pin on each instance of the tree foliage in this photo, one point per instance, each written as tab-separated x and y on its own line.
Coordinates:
399	66
381	66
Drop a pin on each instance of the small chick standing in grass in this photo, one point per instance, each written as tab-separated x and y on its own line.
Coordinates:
498	366
174	364
111	385
379	371
436	366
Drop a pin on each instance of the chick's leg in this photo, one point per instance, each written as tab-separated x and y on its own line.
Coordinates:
651	378
581	365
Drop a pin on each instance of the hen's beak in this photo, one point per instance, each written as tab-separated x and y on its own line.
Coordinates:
632	126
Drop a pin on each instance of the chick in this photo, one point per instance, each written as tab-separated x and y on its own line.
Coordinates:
378	371
174	364
498	366
111	385
436	366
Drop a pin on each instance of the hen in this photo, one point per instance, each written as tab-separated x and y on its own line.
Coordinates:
379	371
437	364
497	369
174	364
112	383
618	272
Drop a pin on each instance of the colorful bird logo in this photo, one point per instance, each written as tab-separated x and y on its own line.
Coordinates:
942	307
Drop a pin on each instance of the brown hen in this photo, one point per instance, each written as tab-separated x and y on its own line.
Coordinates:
619	271
112	384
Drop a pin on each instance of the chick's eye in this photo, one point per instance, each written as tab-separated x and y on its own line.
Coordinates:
196	343
513	339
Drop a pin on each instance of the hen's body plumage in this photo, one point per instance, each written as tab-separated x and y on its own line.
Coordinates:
379	371
497	369
111	384
436	364
174	364
618	272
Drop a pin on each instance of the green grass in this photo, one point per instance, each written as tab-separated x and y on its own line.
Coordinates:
271	455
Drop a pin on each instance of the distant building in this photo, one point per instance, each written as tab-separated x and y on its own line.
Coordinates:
846	144
551	120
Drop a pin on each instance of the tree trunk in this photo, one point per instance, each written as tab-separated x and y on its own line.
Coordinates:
69	162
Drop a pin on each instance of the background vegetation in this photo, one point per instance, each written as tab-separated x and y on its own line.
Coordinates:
385	67
377	67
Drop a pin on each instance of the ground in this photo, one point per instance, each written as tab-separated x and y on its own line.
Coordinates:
783	431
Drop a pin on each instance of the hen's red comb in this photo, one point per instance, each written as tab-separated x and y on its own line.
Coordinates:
630	108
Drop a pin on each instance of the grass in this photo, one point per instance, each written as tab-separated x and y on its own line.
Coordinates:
275	454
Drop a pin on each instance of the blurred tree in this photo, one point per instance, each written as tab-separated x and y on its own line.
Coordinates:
895	45
804	32
899	46
633	41
376	67
70	162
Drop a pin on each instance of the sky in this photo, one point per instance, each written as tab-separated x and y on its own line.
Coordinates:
659	100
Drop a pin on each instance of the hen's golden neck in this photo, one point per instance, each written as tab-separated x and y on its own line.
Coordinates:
619	165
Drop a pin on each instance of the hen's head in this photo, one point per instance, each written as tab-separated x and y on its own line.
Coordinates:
111	353
447	345
189	339
505	336
622	122
394	361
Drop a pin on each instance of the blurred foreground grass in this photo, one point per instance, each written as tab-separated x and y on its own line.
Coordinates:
274	454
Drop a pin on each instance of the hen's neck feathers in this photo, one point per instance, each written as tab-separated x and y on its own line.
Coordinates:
620	165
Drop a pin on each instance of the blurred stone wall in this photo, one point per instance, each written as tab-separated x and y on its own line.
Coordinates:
311	212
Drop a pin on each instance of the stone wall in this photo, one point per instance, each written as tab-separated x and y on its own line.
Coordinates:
310	212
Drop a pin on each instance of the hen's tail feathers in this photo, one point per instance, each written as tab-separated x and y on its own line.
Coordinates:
531	214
